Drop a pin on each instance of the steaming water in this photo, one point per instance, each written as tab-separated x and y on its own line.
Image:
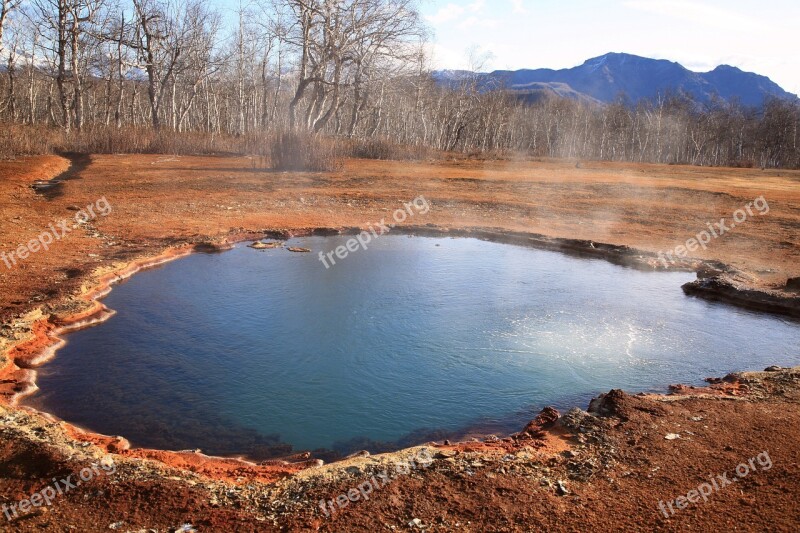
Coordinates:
249	352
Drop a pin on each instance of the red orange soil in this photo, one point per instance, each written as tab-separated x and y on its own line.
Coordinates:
605	470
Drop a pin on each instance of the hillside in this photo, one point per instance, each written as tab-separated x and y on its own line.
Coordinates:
607	77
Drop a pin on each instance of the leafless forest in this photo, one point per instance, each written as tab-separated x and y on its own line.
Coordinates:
312	78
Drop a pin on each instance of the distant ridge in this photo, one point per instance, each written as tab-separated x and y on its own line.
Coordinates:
607	77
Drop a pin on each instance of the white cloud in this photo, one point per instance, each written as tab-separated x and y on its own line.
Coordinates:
696	12
446	58
463	17
478	22
469	22
519	7
477	6
446	13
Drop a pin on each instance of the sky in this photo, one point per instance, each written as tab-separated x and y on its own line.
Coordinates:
761	37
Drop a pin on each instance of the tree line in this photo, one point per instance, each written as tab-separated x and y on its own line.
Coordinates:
354	70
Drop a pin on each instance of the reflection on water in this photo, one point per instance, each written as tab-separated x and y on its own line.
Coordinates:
415	338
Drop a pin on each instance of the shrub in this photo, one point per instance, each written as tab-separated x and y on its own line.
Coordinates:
304	151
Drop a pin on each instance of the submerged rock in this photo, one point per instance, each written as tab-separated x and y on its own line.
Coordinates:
297	249
266	245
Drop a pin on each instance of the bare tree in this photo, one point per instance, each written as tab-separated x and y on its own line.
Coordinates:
166	33
336	41
66	26
6	7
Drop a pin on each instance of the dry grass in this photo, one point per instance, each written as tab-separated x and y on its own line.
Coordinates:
386	150
110	140
18	140
287	151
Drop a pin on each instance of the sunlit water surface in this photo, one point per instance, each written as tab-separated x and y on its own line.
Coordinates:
413	339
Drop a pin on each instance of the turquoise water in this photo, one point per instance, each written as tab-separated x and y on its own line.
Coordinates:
263	352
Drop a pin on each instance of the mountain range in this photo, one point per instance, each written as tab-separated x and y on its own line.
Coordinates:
605	78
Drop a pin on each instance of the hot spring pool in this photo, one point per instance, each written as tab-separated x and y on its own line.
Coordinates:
259	353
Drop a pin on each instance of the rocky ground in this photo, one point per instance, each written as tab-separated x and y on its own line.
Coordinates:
608	468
